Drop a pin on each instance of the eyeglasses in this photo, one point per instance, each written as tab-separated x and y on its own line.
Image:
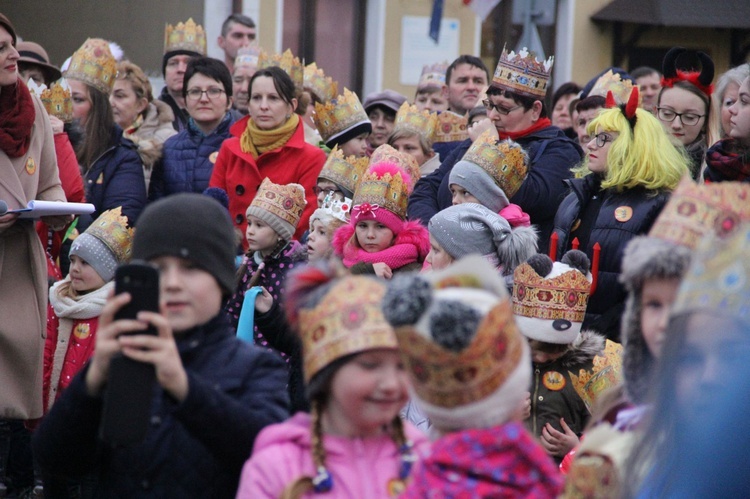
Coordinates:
211	93
687	119
317	190
602	138
501	110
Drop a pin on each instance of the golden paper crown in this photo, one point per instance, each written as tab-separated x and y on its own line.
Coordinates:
387	154
57	100
345	172
432	76
696	210
523	74
605	373
338	115
411	119
562	297
319	84
286	61
451	127
450	379
347	320
612	82
506	162
185	36
247	56
111	228
718	279
94	64
285	201
384	187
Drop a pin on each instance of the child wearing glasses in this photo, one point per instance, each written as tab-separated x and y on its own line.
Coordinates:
188	158
632	168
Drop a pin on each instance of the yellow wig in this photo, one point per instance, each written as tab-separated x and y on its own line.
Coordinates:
642	157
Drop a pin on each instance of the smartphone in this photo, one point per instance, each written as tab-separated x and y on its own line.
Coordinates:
130	384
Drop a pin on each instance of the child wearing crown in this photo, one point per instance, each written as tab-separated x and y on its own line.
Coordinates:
469	369
323	224
378	240
353	443
343	123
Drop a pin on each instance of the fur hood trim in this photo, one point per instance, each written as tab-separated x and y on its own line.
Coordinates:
587	345
412	233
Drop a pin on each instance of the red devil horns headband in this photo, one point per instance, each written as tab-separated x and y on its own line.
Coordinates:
701	80
628	110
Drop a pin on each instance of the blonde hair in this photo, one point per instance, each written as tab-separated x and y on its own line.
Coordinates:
642	156
128	71
65	290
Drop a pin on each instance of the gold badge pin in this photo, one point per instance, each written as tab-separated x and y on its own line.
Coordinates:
623	213
30	166
554	381
82	331
213	156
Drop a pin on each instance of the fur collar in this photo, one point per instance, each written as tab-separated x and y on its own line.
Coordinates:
586	346
412	233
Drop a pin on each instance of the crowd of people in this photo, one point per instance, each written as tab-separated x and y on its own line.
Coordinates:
471	292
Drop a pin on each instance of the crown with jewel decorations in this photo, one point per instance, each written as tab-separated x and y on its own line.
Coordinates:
347	320
339	209
337	116
94	65
387	154
345	172
433	76
319	84
451	127
247	56
613	82
604	374
112	229
523	73
186	36
696	210
286	61
384	186
506	162
411	119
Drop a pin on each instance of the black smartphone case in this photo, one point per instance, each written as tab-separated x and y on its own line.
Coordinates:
130	384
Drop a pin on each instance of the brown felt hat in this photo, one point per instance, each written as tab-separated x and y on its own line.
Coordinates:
33	53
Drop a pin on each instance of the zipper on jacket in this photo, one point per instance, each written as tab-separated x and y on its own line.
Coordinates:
534	400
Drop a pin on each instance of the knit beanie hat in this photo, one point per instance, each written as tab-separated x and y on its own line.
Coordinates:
280	206
468	364
106	243
479	184
190	226
470	228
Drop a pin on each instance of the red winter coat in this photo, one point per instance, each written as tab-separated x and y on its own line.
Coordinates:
240	175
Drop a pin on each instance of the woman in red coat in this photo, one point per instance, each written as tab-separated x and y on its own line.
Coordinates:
270	143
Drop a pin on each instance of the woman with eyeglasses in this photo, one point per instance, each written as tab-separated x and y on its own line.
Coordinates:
684	105
631	168
269	143
188	158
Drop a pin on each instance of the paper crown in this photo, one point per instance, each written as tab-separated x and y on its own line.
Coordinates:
335	116
56	100
387	154
319	84
606	373
287	202
522	73
383	186
433	76
460	344
347	320
247	56
718	279
186	36
286	61
550	308
94	65
345	172
613	82
697	210
451	127
506	162
340	209
111	228
411	119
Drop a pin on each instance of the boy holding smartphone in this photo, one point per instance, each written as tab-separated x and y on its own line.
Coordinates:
214	394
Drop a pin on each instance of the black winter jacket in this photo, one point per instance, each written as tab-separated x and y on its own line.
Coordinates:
193	449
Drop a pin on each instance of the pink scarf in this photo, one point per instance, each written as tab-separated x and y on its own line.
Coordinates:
396	256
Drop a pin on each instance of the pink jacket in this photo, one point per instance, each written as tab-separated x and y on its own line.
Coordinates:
360	468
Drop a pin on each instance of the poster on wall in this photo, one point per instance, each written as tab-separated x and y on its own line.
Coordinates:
418	49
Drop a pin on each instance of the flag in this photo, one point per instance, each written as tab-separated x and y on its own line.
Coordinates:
435	19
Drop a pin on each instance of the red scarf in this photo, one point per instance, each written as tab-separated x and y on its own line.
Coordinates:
16	119
539	125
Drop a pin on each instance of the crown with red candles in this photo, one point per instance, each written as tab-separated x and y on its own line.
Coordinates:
672	75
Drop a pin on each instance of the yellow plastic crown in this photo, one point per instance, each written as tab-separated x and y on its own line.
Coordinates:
451	127
319	84
523	73
411	119
386	190
348	320
94	64
506	162
338	115
185	36
346	172
612	82
112	229
286	61
387	154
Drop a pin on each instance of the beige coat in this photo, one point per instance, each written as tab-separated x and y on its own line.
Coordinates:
23	273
